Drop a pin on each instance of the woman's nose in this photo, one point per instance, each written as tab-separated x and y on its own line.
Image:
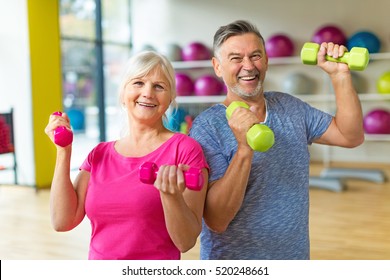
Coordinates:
148	91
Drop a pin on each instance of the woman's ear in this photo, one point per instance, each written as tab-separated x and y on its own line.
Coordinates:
121	98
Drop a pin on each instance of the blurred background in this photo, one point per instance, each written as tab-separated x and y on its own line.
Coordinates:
68	55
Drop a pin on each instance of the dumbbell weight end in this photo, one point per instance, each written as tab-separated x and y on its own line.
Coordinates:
193	177
263	132
259	137
62	136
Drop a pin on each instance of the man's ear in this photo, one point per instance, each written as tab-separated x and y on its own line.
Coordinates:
216	66
266	62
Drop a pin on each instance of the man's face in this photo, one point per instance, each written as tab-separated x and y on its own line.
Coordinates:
242	63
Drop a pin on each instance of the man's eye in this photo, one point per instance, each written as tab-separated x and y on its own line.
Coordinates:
236	59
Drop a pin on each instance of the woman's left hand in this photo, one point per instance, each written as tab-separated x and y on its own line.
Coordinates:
170	179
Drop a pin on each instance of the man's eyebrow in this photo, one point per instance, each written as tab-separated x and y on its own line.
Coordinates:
233	54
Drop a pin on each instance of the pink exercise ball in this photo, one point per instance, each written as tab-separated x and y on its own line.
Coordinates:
279	45
208	85
184	84
377	121
329	33
195	51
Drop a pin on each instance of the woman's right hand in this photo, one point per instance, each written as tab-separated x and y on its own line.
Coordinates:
58	121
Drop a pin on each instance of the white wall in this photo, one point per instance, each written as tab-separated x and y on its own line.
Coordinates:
15	84
160	22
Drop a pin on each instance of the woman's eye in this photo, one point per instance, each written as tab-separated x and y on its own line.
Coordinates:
159	87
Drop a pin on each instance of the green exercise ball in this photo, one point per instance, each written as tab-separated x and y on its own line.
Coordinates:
383	83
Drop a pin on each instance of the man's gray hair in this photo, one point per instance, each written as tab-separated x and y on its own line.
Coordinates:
237	27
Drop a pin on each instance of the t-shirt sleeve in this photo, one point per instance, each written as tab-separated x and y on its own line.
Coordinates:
192	154
87	164
317	122
211	141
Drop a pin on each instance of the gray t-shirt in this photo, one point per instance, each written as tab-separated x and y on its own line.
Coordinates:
273	220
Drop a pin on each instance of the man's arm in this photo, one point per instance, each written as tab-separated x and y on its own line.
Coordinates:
346	128
225	196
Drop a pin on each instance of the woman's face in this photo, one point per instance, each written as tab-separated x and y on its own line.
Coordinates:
148	97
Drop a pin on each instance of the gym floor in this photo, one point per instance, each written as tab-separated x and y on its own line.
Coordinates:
349	225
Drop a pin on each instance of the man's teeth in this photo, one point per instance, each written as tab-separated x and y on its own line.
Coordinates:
248	78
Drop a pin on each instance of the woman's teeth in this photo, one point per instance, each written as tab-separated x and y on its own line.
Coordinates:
146	104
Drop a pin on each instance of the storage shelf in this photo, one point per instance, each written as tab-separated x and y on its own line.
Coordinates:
380	56
192	64
377	137
200	99
331	97
207	63
306	97
374	96
271	61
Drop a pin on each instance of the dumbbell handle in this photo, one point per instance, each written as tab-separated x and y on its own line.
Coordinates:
62	136
259	137
357	59
193	177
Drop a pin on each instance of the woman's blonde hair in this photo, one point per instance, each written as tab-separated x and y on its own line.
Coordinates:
140	65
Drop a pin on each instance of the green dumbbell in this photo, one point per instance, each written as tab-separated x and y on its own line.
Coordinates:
259	137
357	59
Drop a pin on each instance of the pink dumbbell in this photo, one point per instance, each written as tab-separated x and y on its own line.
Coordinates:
193	177
62	136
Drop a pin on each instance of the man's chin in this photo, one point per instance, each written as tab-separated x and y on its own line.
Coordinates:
247	94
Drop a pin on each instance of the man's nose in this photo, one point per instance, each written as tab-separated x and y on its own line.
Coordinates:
247	63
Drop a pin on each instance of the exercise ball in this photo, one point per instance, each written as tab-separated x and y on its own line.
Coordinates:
77	119
279	45
365	39
186	125
195	51
377	121
224	88
329	33
208	85
184	84
172	51
298	83
175	117
383	83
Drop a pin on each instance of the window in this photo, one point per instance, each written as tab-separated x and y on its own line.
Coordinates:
95	44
